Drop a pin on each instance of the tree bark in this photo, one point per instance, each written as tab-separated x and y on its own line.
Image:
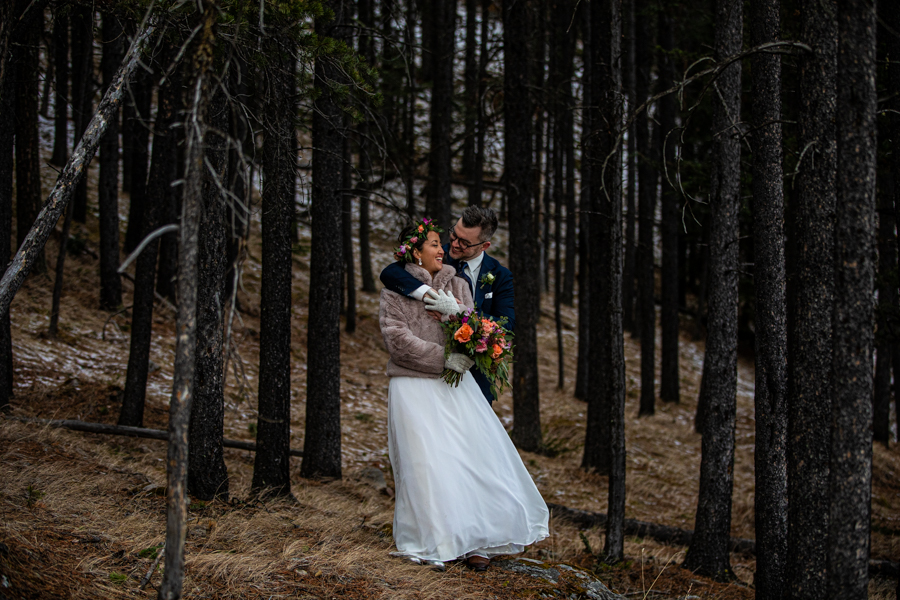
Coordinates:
629	66
61	100
470	106
28	160
142	92
891	18
82	23
523	251
273	429
669	379
186	324
108	187
440	172
367	50
60	269
322	446
605	437
207	475
809	337
584	331
647	177
7	137
347	235
887	300
850	476
769	278
708	553
477	189
161	174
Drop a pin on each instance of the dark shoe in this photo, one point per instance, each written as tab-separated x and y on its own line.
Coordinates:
478	563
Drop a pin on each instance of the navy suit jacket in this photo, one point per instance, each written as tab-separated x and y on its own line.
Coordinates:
496	299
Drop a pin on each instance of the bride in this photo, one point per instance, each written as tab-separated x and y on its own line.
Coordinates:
462	491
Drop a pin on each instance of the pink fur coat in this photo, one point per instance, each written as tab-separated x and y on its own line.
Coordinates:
413	338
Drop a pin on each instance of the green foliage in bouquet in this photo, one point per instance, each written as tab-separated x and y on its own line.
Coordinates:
484	340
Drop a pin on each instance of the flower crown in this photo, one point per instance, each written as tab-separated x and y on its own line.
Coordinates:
411	236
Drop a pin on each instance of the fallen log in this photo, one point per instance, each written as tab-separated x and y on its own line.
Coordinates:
141	432
682	537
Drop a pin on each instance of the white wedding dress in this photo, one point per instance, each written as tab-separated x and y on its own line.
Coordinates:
461	487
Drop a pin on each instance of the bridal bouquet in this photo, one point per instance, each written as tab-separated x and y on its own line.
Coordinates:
484	340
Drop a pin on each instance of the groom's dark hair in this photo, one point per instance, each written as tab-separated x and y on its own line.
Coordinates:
486	218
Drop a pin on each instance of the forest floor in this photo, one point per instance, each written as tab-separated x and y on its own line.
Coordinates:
83	515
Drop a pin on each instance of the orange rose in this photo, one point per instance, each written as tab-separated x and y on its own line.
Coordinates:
498	350
421	229
463	334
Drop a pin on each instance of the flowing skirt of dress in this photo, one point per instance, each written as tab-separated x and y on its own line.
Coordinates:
461	487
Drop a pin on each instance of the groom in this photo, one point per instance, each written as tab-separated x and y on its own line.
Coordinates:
491	283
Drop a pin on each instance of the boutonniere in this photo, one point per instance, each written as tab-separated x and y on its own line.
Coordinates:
486	279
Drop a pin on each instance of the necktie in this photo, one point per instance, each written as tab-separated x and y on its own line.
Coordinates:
461	271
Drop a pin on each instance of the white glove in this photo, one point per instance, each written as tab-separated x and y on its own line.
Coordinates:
442	302
458	362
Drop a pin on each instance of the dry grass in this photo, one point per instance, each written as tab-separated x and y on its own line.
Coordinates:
81	517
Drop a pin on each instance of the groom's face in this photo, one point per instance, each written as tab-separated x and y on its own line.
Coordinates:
465	242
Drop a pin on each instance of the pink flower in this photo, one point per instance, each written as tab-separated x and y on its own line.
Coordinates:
481	345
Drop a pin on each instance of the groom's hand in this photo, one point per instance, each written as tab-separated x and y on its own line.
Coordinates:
442	302
429	295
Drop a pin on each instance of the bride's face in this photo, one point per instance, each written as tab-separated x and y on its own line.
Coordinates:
431	254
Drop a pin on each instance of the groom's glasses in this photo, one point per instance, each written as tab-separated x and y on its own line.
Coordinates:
461	242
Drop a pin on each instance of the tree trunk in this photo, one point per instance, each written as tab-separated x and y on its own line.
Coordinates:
439	166
887	300
647	178
477	190
273	431
7	137
809	340
347	235
887	256
108	187
367	51
568	144
322	445
584	331
605	438
891	18
28	160
58	280
161	174
61	100
207	475
237	217
850	477
142	90
470	106
523	249
770	400
669	380
186	324
128	123
82	23
708	552
628	80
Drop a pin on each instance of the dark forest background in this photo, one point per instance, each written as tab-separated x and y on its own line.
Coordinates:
724	168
